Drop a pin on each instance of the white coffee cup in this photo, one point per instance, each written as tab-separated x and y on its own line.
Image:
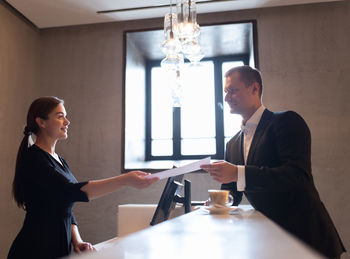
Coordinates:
220	198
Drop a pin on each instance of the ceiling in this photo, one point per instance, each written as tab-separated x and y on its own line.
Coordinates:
56	13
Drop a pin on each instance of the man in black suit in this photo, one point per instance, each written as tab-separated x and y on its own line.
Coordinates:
270	161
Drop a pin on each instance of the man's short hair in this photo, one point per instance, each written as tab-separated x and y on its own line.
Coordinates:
248	75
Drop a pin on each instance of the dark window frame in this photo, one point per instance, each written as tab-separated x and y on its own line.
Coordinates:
219	114
125	32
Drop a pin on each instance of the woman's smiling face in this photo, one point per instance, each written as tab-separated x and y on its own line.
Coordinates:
56	126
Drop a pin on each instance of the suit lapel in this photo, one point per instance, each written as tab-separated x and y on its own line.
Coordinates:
264	121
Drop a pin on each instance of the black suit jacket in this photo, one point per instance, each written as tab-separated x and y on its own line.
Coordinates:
279	182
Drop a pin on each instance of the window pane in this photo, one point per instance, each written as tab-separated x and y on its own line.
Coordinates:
226	66
198	146
232	122
198	106
162	147
162	113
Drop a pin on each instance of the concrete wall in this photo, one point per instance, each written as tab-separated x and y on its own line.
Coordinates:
19	64
304	58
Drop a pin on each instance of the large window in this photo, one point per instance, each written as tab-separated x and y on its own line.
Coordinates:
157	134
202	124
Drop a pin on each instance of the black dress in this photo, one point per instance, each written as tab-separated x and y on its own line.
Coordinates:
50	191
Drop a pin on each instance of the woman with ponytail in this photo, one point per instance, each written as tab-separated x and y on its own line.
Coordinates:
46	189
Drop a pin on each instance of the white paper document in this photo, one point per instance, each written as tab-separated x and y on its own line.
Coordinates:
181	170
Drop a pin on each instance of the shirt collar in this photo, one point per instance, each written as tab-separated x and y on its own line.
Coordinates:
255	118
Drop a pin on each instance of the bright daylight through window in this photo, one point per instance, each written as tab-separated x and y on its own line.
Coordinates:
198	135
157	133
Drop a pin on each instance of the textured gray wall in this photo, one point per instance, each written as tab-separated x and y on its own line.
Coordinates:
304	58
19	64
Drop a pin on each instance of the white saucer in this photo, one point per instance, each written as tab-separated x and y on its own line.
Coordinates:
219	209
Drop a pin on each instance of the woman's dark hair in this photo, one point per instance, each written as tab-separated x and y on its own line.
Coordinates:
40	108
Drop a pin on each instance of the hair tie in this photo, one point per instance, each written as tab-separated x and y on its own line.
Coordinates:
26	131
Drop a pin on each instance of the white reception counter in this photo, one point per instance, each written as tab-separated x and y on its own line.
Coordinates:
245	233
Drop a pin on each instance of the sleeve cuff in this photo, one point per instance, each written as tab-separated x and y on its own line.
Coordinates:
73	220
80	195
241	178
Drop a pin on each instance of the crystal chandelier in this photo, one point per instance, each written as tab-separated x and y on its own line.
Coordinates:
181	32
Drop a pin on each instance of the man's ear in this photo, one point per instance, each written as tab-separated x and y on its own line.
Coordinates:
40	122
256	88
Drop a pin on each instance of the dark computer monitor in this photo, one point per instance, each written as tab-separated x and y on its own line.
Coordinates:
169	198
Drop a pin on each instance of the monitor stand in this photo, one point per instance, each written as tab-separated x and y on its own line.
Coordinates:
186	200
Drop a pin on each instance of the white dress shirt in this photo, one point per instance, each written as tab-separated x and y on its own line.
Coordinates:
248	130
